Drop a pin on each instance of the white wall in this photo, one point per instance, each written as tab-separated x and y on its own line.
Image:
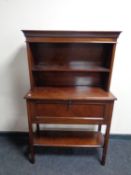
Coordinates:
60	15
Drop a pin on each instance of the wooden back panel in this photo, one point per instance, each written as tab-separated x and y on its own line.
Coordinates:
69	53
69	79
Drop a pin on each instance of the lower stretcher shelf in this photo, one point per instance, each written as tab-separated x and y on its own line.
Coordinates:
68	139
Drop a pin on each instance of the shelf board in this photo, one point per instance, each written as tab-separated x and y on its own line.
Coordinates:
68	139
70	68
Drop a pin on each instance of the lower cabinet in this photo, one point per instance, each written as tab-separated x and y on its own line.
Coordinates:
97	112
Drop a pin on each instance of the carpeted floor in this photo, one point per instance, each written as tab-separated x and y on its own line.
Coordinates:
61	161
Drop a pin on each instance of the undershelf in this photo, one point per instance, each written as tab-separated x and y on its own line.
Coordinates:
68	139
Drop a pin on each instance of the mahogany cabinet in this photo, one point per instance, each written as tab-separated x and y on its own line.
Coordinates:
70	74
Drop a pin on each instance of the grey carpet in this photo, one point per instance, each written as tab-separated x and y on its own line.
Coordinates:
61	161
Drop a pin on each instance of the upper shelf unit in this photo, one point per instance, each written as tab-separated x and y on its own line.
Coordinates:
68	58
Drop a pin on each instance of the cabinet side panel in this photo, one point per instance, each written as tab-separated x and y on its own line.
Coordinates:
30	64
110	63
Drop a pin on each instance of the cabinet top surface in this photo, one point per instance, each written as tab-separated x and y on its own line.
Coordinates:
69	93
110	36
71	33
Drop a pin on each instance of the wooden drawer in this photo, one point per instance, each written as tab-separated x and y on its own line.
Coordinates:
87	110
68	109
51	109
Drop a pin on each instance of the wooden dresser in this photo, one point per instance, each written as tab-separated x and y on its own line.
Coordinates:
70	74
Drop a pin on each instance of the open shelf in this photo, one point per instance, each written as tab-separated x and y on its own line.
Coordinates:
67	78
69	139
71	67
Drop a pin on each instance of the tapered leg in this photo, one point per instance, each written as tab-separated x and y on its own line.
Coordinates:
37	128
99	128
107	133
31	147
31	154
105	146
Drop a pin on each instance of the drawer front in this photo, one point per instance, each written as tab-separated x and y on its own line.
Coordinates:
68	110
51	109
88	110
